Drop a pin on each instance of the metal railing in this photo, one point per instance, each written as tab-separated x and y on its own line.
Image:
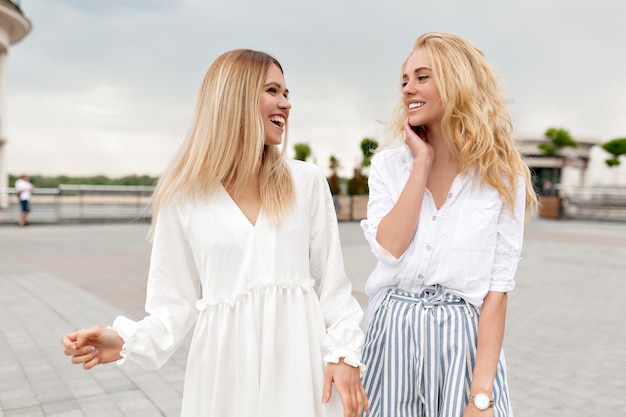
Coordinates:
100	203
601	203
83	203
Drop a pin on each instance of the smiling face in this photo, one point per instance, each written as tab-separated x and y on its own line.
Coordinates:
274	105
420	92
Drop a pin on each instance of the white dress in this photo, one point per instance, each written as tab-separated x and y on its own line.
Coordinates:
269	305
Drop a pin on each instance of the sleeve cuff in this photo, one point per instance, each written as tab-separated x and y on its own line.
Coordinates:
349	358
380	252
502	286
126	329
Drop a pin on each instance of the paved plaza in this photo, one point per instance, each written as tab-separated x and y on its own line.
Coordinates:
565	341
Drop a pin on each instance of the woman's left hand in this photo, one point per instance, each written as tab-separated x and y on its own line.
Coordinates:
347	379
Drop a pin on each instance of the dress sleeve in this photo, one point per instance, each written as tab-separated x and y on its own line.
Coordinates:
172	291
379	205
510	235
342	313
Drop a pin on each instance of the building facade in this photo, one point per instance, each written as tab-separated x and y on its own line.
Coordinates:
14	26
582	166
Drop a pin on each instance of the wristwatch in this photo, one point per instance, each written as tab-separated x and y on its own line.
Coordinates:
481	401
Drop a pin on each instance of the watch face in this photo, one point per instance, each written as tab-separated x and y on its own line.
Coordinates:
481	401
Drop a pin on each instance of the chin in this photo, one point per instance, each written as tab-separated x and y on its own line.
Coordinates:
275	142
416	121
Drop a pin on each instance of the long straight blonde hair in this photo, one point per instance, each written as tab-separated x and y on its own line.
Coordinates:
226	142
476	124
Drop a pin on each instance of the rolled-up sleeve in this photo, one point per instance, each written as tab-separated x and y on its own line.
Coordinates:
172	291
510	235
381	201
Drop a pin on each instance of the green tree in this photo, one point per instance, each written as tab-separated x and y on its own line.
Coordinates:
333	181
357	185
303	151
40	181
368	146
616	147
558	138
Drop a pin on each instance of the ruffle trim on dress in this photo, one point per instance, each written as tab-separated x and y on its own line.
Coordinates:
125	328
305	286
349	358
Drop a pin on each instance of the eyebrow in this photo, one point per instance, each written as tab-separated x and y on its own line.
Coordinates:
278	85
404	75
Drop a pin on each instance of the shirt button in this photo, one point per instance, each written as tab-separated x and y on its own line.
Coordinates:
428	247
434	218
450	195
420	276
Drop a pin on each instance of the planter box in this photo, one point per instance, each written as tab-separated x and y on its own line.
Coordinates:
359	207
550	207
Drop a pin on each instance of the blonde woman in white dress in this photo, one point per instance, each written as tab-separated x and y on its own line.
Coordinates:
246	254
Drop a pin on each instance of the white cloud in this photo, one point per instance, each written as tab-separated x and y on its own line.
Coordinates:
109	87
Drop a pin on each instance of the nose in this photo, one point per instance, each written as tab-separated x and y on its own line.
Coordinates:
284	104
409	88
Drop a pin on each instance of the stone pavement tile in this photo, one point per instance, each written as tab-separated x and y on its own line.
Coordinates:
68	408
19	398
34	411
36	309
565	332
160	393
111	379
133	403
99	406
564	342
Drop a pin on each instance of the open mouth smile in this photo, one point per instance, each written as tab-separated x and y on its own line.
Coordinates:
278	120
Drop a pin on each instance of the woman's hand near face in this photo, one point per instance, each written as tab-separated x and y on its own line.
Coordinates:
93	346
420	149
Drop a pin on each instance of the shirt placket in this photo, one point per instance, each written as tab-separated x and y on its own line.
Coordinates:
429	221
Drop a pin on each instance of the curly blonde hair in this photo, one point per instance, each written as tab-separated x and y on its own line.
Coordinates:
475	123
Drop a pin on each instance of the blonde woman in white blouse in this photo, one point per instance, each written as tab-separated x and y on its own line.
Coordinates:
445	218
246	253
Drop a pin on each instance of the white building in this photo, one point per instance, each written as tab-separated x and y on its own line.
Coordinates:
14	26
583	166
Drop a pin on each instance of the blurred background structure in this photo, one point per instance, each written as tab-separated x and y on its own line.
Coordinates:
14	26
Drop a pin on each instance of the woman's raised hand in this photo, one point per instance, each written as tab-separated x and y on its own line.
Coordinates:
416	141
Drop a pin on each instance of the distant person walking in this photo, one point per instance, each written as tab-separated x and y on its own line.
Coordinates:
246	254
24	190
548	188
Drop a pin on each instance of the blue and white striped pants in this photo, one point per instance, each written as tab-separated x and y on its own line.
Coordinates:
420	351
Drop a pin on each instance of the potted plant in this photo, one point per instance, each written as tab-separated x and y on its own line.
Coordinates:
357	185
549	200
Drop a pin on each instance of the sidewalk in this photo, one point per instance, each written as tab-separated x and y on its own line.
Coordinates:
565	340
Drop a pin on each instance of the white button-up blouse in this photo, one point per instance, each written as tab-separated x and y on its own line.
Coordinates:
470	246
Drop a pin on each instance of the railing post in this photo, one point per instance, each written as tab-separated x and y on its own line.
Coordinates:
81	193
57	204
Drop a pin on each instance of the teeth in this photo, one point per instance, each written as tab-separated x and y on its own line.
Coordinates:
415	105
278	120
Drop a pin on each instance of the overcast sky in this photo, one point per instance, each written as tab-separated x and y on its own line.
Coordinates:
109	87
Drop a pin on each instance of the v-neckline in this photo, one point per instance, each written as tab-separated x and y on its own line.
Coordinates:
240	212
458	178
